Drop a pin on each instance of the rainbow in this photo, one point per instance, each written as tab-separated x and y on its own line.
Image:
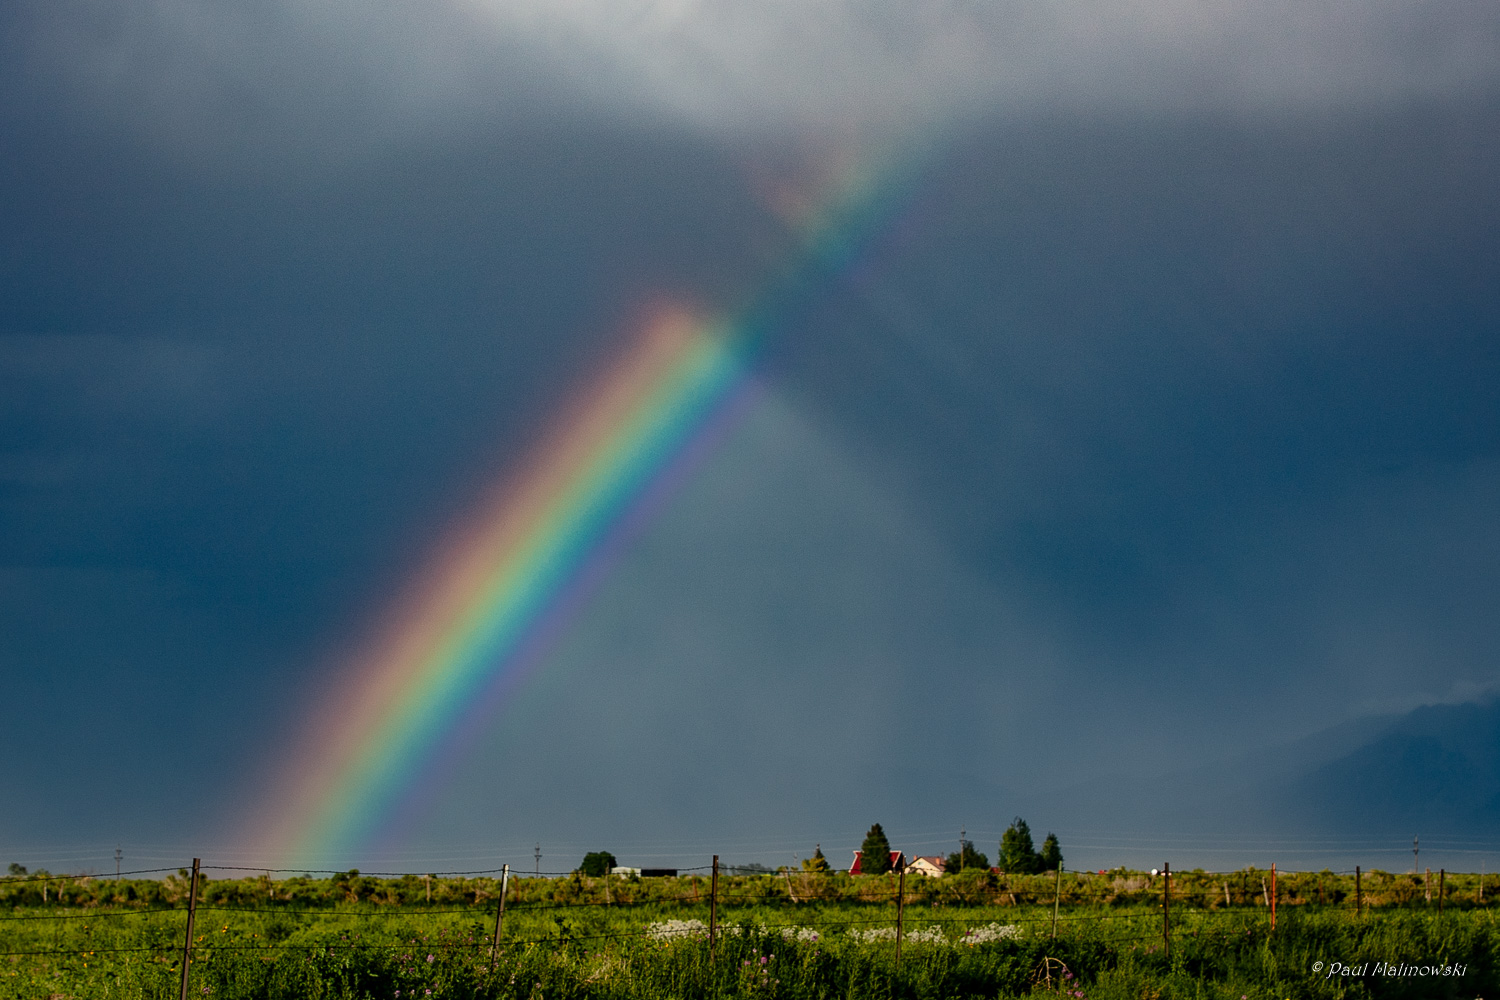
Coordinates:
485	612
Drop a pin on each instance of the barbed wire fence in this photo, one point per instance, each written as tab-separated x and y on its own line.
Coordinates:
1091	892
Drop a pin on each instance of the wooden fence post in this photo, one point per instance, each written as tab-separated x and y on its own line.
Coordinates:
1166	907
1056	900
499	915
187	942
713	910
900	912
1273	895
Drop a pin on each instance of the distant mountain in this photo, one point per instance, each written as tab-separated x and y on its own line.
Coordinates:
1326	799
1436	769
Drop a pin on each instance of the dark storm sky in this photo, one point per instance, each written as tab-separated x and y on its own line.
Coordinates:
1158	428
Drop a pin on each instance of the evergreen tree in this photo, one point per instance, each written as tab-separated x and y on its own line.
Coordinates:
1017	853
967	859
1051	855
597	863
816	863
875	853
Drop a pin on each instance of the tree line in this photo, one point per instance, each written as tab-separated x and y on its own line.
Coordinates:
1018	854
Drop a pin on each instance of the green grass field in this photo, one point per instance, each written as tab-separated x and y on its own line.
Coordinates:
356	937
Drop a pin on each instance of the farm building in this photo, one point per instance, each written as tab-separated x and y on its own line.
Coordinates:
898	859
931	866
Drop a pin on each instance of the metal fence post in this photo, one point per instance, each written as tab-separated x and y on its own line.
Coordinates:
499	915
187	942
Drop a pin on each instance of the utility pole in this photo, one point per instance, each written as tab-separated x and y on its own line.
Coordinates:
961	838
538	859
119	854
1358	903
1415	861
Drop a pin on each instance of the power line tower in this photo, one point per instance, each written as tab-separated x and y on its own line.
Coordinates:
119	854
538	860
1415	858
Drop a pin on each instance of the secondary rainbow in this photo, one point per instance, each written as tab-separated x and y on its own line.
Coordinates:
476	621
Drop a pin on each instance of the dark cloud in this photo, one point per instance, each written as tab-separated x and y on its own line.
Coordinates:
1138	416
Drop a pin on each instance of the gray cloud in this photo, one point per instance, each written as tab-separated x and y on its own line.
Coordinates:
332	77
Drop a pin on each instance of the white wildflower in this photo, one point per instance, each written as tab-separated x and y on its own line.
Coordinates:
665	930
990	932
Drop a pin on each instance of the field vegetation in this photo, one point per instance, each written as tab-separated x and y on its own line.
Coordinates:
782	935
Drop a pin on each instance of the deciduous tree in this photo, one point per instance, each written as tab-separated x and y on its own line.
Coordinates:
966	860
597	863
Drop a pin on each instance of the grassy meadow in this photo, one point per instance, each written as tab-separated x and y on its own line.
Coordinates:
786	935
